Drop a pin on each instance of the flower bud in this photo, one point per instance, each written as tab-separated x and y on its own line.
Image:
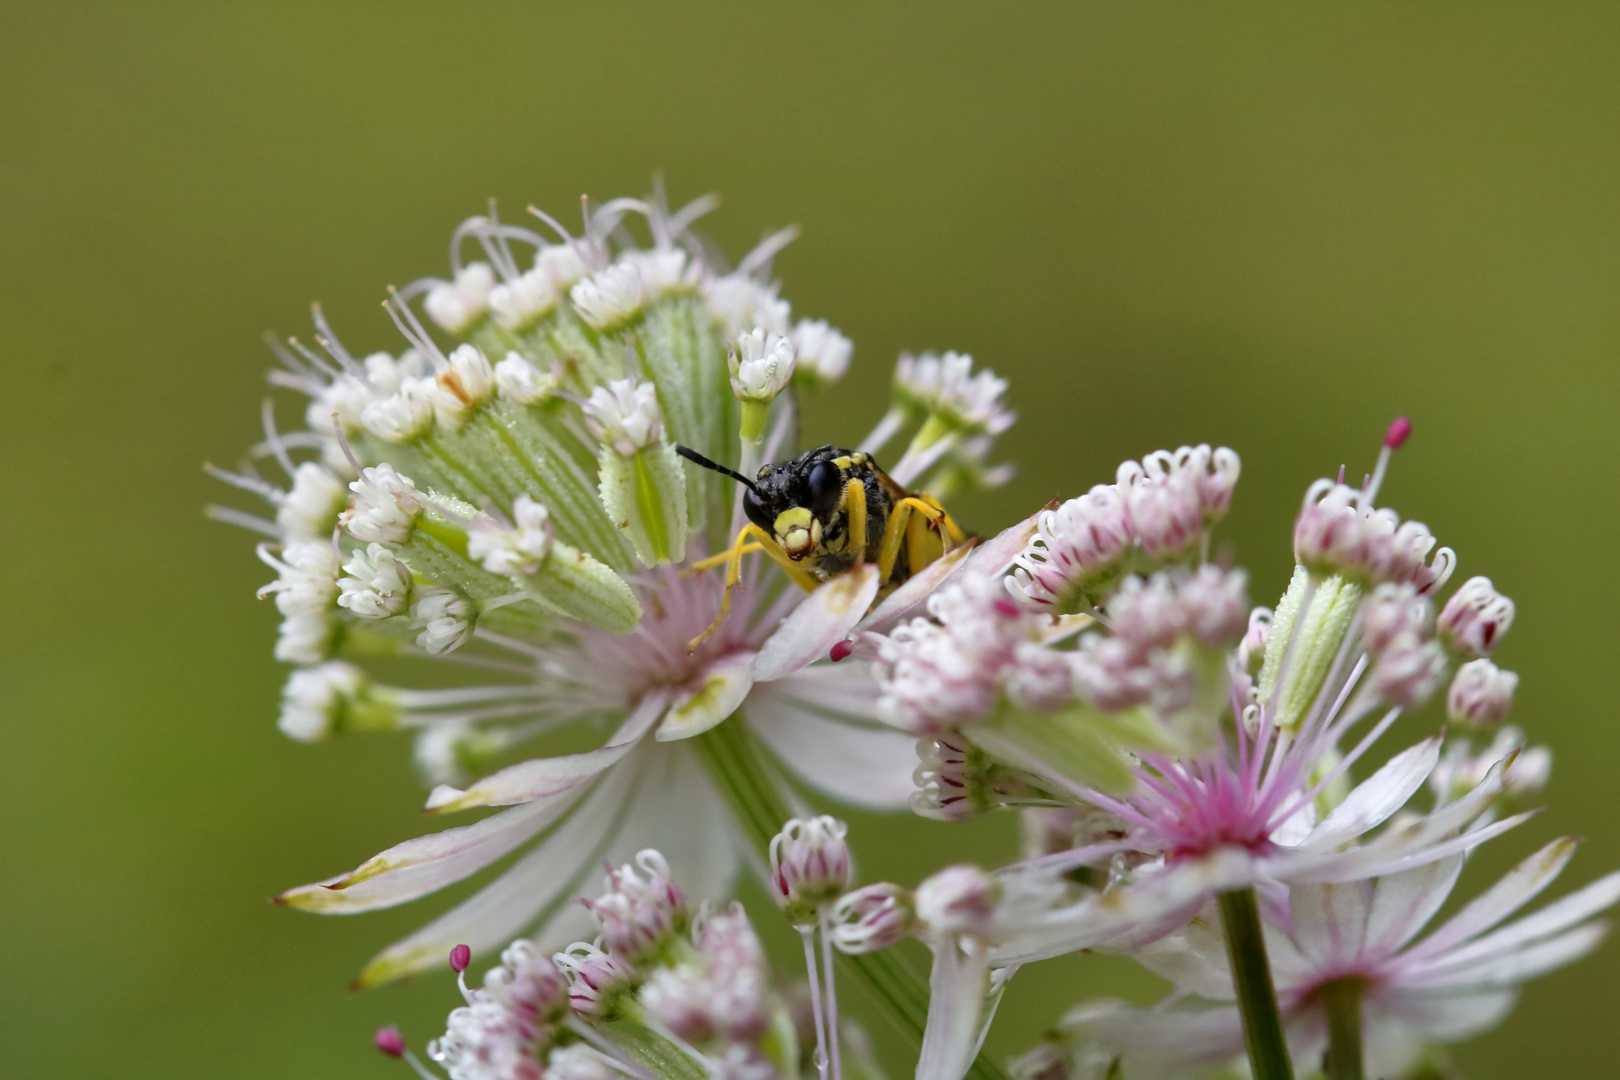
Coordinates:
958	900
314	701
518	304
638	914
577	1061
809	866
445	618
404	415
1147	615
1393	611
624	415
311	506
1076	552
762	365
595	980
463	386
1481	694
375	584
1215	606
522	382
1252	649
606	299
516	549
383	508
1475	618
529	983
1409	671
456	305
1165	510
823	354
873	917
390	1042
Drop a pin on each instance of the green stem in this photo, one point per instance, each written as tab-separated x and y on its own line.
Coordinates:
1342	1000
1251	975
750	785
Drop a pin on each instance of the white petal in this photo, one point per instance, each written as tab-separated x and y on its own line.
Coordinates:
1160	1042
1377	860
956	990
427	863
535	887
1403	903
1516	966
1379	796
1517	888
1194	960
822	619
1438	1017
726	682
1330	921
1555	917
542	777
859	763
917	588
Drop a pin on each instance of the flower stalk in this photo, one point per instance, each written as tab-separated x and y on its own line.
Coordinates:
1341	999
745	779
1251	975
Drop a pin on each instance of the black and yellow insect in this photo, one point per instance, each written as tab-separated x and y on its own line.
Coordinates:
828	509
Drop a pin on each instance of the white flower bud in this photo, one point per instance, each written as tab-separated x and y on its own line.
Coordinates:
809	866
761	366
1475	618
456	305
640	911
465	384
608	298
873	917
1481	694
445	618
663	271
402	416
384	507
561	263
306	581
304	639
376	584
313	699
738	302
519	548
522	382
823	354
958	900
624	415
518	304
346	397
311	506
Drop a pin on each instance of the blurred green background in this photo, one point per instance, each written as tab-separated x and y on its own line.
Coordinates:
1271	226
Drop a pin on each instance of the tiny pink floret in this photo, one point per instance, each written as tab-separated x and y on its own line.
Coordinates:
391	1042
460	957
1399	429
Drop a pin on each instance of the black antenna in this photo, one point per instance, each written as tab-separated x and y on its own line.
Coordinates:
693	456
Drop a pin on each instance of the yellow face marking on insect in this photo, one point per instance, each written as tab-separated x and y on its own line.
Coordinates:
797	531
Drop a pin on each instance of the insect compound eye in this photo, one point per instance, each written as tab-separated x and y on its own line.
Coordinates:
825	484
756	512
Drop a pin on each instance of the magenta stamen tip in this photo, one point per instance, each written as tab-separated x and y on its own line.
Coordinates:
460	957
391	1042
1399	429
840	651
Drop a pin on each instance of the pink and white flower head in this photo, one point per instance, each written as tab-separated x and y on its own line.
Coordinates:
1077	552
953	667
947	387
958	900
597	980
1481	694
1361	936
486	1041
456	305
810	866
738	978
1339	532
1394	611
529	983
642	909
1475	618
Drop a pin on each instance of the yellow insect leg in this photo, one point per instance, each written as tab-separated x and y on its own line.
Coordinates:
855	517
733	561
893	533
